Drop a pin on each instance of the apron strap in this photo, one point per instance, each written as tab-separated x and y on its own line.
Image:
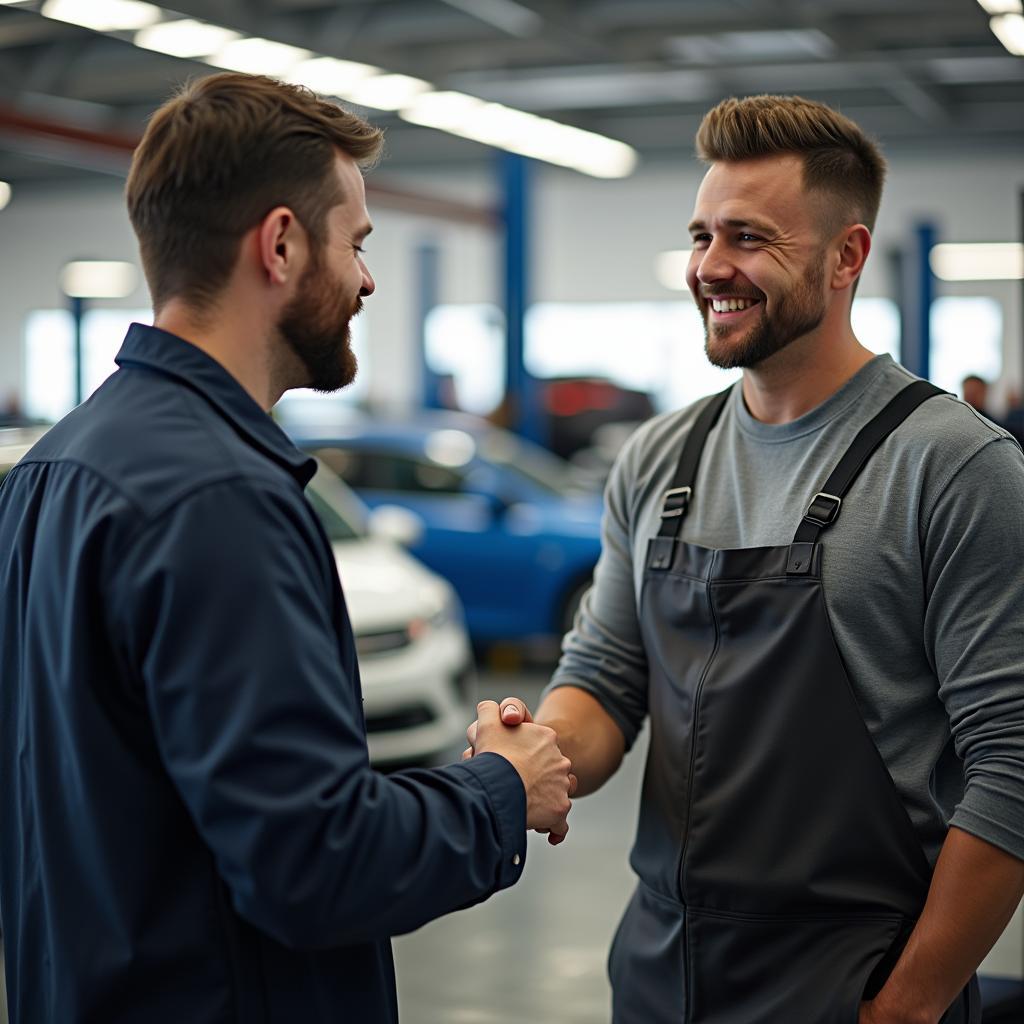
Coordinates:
825	505
677	498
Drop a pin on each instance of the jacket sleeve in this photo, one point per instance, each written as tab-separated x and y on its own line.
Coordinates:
225	609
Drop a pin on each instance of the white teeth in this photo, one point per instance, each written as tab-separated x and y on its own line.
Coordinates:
730	305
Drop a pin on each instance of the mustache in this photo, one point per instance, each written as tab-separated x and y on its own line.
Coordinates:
718	293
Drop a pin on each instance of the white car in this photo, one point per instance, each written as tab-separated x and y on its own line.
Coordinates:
415	659
414	654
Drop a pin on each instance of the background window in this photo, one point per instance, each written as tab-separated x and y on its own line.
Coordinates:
967	338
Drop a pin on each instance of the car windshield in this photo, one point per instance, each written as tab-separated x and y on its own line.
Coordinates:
537	465
340	511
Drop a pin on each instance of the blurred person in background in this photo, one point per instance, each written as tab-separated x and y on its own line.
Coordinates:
975	392
190	830
803	587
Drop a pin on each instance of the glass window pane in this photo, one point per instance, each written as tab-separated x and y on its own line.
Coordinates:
967	338
467	343
876	322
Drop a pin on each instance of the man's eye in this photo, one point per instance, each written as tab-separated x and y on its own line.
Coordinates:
746	236
359	249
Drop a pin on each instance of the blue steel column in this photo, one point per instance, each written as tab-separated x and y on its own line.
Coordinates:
427	276
916	335
77	306
521	391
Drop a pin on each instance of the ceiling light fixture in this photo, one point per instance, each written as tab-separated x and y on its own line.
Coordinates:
1001	6
98	279
978	261
257	56
329	76
386	92
103	15
670	268
185	38
523	133
1009	30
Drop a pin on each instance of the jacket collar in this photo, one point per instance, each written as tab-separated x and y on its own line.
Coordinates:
175	357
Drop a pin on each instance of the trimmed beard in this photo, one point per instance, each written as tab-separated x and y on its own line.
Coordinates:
796	313
316	327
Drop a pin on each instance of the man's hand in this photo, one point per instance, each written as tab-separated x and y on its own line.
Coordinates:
533	753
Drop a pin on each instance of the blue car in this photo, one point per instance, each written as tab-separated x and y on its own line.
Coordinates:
499	517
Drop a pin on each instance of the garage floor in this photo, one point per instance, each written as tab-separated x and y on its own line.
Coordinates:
535	952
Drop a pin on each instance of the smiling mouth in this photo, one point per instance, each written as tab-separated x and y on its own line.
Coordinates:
726	304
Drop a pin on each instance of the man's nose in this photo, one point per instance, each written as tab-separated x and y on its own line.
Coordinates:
714	264
368	286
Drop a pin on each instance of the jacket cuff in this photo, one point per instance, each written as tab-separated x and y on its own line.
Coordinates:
507	798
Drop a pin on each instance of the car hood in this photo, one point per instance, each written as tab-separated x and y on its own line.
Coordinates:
386	587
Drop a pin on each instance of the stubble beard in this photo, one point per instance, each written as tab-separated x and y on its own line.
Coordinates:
796	314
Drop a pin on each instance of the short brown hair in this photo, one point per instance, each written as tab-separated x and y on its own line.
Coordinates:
839	158
216	158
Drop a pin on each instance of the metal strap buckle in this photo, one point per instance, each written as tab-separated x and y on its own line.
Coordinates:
823	516
675	502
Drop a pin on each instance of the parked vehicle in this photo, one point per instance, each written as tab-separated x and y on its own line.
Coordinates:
503	520
414	654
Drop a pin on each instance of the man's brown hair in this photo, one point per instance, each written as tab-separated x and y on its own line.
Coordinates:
220	155
839	159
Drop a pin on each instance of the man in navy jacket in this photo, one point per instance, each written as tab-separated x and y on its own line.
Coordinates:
189	826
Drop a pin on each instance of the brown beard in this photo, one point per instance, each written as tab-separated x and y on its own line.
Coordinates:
796	313
316	327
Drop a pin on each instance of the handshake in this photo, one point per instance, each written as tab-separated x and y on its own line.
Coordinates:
533	751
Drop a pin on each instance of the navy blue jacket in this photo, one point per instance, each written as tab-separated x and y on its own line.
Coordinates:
190	830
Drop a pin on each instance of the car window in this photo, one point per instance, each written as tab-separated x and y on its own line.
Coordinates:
333	504
388	471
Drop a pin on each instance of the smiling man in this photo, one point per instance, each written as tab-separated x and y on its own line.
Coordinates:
804	589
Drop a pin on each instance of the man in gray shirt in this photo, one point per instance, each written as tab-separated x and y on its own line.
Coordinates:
811	587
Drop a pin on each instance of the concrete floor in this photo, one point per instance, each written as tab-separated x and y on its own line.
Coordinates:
535	952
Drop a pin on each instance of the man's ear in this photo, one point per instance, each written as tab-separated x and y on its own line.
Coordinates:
282	244
854	246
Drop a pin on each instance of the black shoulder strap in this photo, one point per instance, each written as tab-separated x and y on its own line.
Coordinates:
825	505
677	498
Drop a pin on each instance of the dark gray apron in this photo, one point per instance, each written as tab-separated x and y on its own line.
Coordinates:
779	872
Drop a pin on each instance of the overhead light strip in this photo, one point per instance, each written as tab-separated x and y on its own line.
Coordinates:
416	101
978	261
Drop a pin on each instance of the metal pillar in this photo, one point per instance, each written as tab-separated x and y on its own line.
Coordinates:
427	290
77	307
521	391
918	293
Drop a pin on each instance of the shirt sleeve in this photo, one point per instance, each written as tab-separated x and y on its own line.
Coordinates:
974	634
227	607
604	654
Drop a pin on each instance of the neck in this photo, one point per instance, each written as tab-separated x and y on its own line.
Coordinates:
801	376
240	343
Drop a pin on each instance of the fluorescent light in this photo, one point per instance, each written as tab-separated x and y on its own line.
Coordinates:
185	38
1009	30
328	76
103	15
98	279
257	56
1001	6
978	261
5	194
386	92
523	133
670	268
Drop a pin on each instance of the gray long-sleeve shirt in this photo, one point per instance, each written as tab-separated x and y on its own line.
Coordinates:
922	572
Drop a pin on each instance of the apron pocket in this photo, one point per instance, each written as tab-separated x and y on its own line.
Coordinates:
766	970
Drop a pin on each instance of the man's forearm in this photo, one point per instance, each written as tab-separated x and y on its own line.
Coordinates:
974	891
587	735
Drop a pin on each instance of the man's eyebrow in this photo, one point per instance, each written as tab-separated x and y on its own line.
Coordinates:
742	222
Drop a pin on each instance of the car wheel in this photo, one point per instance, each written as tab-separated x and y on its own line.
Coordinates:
571	604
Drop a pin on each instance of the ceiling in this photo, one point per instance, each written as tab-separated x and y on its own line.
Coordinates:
925	75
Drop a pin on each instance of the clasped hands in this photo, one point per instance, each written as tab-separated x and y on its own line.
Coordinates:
532	749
